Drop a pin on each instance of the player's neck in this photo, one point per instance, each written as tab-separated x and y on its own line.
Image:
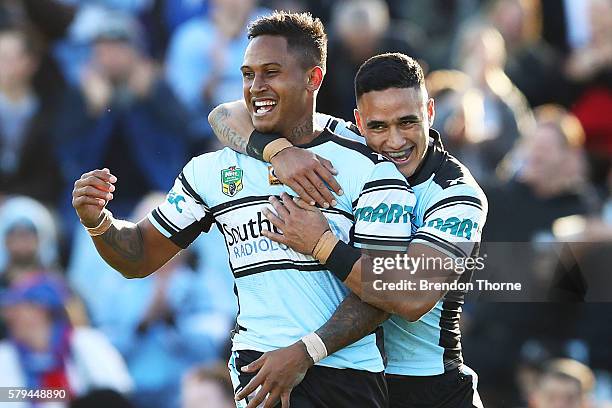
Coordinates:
303	132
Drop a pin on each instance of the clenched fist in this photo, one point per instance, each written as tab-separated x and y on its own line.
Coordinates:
91	194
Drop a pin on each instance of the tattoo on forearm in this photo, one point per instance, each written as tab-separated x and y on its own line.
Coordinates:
224	133
352	320
126	242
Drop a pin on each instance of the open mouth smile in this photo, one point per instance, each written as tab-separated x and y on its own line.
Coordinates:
400	157
263	106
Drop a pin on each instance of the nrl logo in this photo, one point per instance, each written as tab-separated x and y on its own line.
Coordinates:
231	181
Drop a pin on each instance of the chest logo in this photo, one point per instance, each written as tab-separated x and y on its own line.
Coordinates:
272	179
231	181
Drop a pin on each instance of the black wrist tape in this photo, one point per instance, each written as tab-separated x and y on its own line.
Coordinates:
258	142
342	259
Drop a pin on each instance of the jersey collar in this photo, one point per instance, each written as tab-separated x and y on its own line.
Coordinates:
434	157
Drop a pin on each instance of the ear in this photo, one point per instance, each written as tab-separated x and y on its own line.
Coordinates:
431	111
358	121
315	79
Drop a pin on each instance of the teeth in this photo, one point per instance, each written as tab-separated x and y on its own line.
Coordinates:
265	103
263	109
397	154
400	154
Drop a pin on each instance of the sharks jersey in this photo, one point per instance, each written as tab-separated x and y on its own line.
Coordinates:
449	215
282	294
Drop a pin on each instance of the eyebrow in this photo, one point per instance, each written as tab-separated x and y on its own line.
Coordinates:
408	118
374	123
267	64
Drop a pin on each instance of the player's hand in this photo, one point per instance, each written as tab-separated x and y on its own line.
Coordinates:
91	193
278	372
307	174
300	223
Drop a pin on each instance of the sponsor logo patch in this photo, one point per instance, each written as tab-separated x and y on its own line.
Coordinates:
231	181
461	228
385	213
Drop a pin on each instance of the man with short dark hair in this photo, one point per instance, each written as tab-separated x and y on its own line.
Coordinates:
282	294
422	339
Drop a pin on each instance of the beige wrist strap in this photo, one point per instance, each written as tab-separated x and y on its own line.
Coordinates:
325	246
103	226
274	148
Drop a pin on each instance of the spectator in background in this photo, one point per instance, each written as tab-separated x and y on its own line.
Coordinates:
532	65
26	167
123	116
489	111
28	237
439	21
564	383
361	29
44	350
211	384
545	179
204	59
21	243
162	325
590	70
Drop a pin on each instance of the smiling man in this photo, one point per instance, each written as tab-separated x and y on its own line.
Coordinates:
422	338
283	295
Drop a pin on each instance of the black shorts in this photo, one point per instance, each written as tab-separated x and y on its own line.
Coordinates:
322	387
453	389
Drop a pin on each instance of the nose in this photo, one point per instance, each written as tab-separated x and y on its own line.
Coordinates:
258	85
395	141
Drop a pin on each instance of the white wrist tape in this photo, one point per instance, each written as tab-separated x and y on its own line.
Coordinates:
315	347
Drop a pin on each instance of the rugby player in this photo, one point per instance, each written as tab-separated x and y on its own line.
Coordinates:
283	295
394	113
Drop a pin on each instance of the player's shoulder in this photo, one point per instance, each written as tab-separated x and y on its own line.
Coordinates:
454	184
199	167
217	157
351	149
339	126
454	173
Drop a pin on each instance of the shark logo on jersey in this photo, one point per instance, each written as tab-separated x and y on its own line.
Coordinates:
176	199
231	181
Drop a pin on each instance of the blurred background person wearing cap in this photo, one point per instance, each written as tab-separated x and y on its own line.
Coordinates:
28	239
44	350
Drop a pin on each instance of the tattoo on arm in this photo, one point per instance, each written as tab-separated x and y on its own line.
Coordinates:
352	320
126	242
224	133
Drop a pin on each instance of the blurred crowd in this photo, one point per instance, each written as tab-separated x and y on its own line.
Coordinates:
523	92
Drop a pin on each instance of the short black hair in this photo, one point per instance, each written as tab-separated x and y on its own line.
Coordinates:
391	70
303	32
